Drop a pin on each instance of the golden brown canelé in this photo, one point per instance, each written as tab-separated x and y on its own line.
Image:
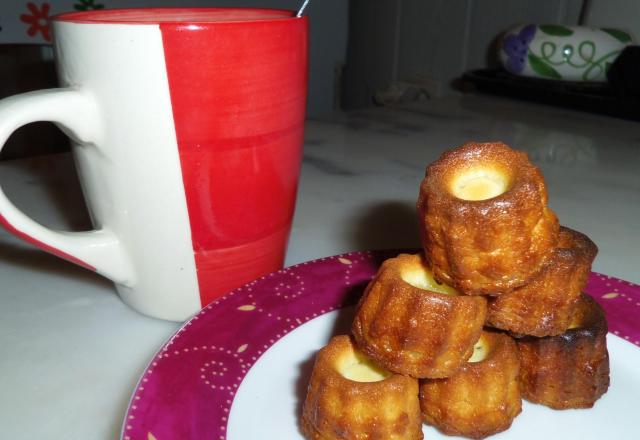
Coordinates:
349	397
483	397
544	306
412	325
570	370
485	224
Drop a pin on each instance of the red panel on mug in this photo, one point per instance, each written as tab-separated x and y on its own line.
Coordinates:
238	113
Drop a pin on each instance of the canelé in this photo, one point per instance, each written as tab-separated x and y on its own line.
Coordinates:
480	399
410	324
544	306
570	370
485	224
350	398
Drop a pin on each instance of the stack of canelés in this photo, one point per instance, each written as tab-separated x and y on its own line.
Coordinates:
492	311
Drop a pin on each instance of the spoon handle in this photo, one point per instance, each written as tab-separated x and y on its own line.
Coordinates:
302	8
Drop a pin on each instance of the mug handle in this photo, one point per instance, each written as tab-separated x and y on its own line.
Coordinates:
76	113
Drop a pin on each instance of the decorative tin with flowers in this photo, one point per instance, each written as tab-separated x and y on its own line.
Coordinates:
570	53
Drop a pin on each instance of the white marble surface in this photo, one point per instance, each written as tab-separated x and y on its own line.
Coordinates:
72	352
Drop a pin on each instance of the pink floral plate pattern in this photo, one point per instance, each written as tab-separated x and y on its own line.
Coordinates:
189	386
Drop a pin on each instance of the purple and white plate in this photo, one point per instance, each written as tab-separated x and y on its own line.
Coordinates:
239	369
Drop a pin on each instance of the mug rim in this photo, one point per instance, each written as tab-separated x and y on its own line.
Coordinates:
174	15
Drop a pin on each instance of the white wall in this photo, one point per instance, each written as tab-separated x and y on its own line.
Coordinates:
434	39
624	14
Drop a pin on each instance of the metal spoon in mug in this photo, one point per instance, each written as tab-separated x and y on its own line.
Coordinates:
301	10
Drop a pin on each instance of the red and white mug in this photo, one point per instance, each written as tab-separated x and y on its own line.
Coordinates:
186	128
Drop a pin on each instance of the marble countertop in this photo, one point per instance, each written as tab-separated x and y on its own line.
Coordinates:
72	352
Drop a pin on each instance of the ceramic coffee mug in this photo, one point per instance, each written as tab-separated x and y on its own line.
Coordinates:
186	128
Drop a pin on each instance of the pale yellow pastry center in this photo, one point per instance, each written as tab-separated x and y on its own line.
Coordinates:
480	351
359	368
419	276
479	184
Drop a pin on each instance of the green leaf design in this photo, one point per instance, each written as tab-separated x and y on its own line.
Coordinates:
555	30
542	68
619	35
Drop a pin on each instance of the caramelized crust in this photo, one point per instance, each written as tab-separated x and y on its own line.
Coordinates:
492	245
340	408
544	306
482	398
413	331
570	370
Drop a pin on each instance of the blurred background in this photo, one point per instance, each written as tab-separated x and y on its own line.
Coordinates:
363	53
